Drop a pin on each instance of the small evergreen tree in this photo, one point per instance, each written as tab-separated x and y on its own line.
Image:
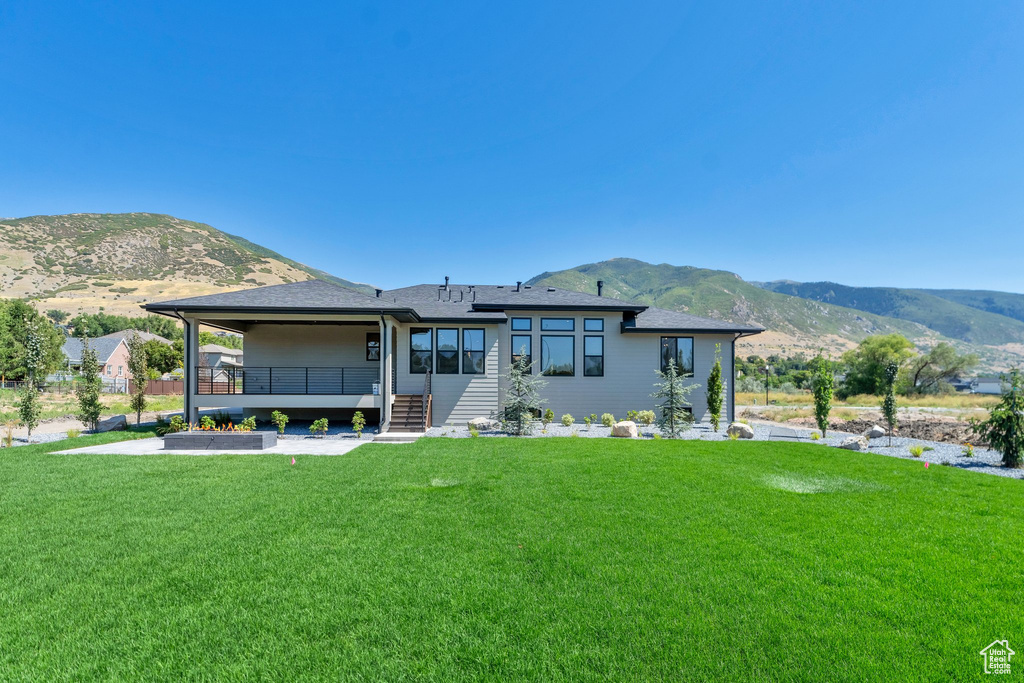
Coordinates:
1004	429
672	389
892	371
823	382
28	407
88	390
138	368
522	398
716	389
358	423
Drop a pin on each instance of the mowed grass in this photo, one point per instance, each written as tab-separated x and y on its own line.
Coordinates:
498	559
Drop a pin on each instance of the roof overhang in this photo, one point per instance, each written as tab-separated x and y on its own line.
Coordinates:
402	314
742	331
548	307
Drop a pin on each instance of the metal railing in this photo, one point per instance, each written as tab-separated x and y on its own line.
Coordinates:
294	381
426	397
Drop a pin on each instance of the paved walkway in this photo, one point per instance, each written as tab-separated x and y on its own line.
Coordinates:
155	446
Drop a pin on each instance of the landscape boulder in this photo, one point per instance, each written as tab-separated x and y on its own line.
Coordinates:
625	428
116	423
741	430
855	443
875	432
484	424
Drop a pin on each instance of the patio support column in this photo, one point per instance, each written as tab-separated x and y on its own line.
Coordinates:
191	363
387	368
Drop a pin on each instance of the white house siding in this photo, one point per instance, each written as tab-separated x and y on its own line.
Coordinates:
630	361
456	399
314	346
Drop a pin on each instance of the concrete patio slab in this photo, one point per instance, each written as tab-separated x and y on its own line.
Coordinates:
155	446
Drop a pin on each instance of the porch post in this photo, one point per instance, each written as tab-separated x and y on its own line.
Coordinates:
191	363
387	368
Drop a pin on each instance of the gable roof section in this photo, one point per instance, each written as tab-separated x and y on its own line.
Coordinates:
103	346
144	336
662	320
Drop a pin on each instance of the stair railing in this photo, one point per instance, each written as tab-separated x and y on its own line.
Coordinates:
426	398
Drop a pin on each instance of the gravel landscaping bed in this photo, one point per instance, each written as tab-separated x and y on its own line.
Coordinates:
299	429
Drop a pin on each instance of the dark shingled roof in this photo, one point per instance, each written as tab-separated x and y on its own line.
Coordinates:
103	347
437	303
662	320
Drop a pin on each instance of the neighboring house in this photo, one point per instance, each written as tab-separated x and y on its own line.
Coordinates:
960	384
216	356
145	336
112	355
313	347
988	385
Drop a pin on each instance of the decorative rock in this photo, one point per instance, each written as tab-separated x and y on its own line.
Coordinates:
626	428
117	423
855	443
484	424
741	430
875	432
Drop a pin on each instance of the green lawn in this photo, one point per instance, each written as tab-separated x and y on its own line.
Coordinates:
499	558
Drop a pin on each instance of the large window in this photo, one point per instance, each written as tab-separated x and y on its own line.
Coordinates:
558	356
522	324
522	344
373	346
472	352
447	351
420	348
679	348
593	356
593	324
557	324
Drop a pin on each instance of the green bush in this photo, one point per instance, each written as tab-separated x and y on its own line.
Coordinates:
279	420
473	433
567	420
248	424
587	421
607	419
358	423
646	417
207	422
319	426
916	451
548	416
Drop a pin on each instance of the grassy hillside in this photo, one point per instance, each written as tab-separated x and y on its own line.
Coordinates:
942	314
82	262
1001	303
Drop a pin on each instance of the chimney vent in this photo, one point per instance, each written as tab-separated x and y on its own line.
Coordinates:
600	287
446	282
519	285
379	292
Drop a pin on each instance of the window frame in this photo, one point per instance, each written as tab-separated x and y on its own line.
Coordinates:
570	337
528	328
437	349
483	351
593	320
661	356
369	338
430	335
515	347
572	324
586	356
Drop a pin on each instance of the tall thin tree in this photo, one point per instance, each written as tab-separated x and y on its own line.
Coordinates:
88	390
28	407
138	368
716	389
823	381
892	370
522	397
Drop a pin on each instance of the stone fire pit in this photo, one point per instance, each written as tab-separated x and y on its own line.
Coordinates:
220	441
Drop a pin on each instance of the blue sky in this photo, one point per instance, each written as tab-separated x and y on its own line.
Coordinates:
867	143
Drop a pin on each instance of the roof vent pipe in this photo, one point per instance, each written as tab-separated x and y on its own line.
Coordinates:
600	287
446	282
379	292
519	284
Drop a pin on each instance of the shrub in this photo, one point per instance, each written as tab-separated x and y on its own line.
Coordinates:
548	416
968	451
587	421
177	424
675	408
633	415
916	451
74	433
646	417
279	420
1004	429
319	427
716	389
473	433
567	420
9	433
657	437
734	436
607	419
358	423
207	422
521	398
815	436
248	424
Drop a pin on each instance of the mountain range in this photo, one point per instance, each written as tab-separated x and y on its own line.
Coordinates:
113	262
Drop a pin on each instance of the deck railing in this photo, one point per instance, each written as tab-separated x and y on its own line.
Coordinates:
282	380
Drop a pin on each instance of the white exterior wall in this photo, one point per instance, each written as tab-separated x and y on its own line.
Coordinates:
630	362
314	346
456	399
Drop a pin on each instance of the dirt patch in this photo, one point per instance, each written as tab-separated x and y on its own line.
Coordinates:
915	426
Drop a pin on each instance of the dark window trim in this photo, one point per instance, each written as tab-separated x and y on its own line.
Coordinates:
529	324
585	356
437	349
512	352
571	320
588	320
693	353
565	336
482	351
430	331
368	336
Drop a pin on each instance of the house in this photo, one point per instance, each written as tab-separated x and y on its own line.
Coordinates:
215	356
112	354
431	355
988	385
144	336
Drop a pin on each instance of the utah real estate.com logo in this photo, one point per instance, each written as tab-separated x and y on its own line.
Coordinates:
997	657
